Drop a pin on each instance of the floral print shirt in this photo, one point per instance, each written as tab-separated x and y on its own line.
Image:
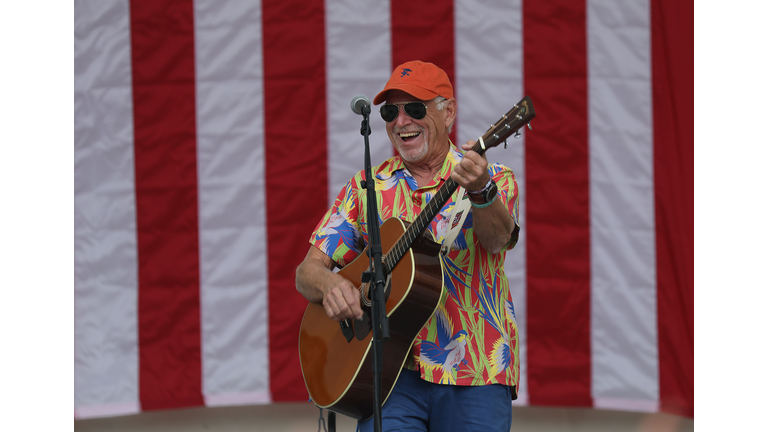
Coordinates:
472	339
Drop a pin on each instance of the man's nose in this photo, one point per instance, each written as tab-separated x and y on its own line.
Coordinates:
402	118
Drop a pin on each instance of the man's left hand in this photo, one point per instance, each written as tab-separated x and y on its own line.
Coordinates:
472	171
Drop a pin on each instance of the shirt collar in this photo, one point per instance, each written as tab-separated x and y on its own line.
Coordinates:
395	164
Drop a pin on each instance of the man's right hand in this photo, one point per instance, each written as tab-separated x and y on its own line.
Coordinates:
342	300
318	284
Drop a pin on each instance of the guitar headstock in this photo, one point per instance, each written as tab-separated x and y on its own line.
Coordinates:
517	117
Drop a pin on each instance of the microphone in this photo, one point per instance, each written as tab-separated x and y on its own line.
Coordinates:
358	103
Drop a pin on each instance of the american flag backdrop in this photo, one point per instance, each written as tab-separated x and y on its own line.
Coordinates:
212	135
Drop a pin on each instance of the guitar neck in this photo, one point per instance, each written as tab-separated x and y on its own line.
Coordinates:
420	224
509	123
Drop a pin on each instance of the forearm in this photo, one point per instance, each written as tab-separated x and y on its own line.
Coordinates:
313	275
318	284
493	225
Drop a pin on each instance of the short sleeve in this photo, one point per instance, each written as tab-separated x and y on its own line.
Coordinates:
508	192
339	234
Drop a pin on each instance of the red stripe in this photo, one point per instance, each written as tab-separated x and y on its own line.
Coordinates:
672	45
557	203
423	30
163	59
296	170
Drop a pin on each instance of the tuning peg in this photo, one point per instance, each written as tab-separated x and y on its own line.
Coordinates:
505	144
517	134
529	126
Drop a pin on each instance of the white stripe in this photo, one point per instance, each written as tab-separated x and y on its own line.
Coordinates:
109	410
624	346
255	398
106	350
627	405
489	81
230	158
358	53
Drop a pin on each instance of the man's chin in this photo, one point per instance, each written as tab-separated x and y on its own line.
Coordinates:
412	155
412	152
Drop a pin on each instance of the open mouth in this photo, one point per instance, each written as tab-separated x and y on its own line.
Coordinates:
409	136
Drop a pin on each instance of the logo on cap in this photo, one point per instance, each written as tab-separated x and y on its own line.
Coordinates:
405	72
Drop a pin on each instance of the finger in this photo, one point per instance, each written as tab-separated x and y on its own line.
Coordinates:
335	305
345	309
330	308
352	297
468	164
475	158
471	170
459	170
357	311
458	176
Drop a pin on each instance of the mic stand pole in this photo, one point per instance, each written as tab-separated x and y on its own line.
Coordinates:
380	322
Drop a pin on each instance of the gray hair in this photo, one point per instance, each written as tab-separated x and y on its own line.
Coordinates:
440	103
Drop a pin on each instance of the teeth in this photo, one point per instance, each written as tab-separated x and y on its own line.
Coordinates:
409	134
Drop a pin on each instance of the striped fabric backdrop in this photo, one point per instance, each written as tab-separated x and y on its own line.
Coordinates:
211	136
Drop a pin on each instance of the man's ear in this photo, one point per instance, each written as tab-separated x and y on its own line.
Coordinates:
450	112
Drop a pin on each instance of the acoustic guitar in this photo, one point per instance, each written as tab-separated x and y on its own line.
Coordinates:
336	358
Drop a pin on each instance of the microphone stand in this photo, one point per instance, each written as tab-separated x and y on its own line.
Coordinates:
380	322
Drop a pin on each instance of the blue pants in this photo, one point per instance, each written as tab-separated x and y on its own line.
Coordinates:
418	405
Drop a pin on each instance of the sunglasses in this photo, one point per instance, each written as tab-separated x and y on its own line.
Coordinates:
416	110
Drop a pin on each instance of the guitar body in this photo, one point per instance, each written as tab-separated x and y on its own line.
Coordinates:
339	374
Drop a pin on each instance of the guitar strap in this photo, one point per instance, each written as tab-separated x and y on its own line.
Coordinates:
460	211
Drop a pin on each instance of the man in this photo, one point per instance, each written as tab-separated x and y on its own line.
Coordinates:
464	368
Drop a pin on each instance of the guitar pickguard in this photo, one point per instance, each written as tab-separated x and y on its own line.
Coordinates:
362	326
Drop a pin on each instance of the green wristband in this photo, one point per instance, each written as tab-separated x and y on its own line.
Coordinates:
484	205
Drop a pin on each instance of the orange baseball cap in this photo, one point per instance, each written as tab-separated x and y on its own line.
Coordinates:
421	80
